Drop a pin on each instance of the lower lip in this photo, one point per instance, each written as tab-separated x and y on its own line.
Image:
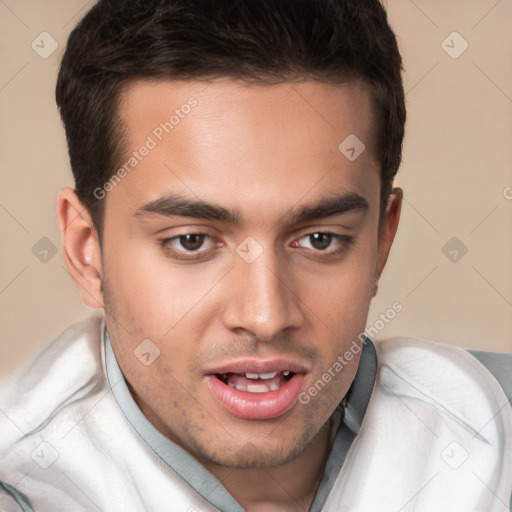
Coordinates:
256	406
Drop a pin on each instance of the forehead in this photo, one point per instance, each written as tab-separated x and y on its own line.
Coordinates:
327	107
229	138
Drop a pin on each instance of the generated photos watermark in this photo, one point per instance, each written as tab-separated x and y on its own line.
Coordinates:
344	359
152	141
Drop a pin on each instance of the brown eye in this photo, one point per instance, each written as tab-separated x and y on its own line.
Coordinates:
191	246
192	242
325	243
320	241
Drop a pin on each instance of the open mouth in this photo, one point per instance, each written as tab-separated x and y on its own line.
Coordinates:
256	382
254	395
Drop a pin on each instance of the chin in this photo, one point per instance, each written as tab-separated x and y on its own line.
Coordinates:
259	454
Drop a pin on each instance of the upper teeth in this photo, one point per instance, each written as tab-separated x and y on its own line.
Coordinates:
269	375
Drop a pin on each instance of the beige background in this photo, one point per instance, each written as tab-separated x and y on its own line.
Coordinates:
456	176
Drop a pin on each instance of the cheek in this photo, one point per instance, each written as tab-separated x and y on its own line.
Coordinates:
152	290
341	294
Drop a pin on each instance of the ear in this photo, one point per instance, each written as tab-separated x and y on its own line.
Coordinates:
387	230
80	247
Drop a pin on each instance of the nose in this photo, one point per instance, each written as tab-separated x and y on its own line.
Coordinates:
261	299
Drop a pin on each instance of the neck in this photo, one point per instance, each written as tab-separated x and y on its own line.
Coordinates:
290	487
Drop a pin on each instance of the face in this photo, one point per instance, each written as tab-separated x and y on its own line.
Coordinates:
245	246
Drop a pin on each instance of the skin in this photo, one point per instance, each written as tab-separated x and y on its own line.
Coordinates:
263	152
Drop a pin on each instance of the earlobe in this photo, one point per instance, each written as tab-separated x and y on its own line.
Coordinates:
387	231
80	247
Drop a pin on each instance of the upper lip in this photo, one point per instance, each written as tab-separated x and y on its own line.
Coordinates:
257	366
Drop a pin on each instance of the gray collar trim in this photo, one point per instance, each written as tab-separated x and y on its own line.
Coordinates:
358	398
199	478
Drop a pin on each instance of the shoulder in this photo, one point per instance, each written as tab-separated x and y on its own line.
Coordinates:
447	371
41	402
63	371
434	407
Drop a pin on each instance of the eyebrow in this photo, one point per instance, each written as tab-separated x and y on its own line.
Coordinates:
173	205
330	207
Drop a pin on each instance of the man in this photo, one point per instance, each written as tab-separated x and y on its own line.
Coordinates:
233	211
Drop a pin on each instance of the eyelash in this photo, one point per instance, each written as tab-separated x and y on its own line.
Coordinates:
345	241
